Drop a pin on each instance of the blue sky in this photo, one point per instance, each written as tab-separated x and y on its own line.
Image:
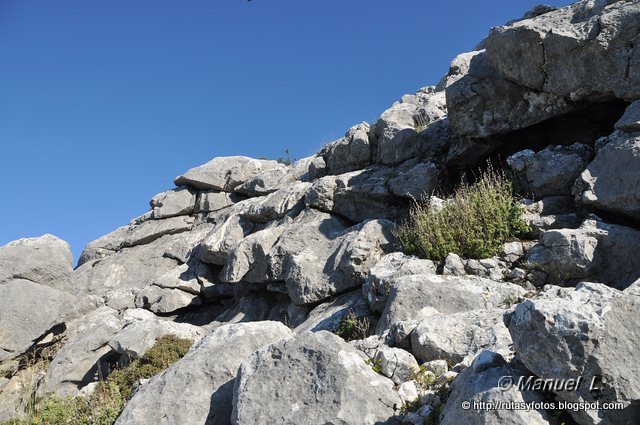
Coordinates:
103	103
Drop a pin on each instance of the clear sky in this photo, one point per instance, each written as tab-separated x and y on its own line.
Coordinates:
103	103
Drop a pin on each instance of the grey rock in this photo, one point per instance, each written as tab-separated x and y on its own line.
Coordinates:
352	152
46	260
416	297
276	205
454	336
610	182
596	251
630	121
327	316
589	332
223	238
266	182
483	386
179	201
104	246
552	171
214	200
199	387
149	231
581	52
225	173
400	333
280	384
134	267
481	102
397	364
453	265
29	312
165	300
417	183
185	244
378	283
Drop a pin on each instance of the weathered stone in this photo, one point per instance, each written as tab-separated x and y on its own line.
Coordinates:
280	384
581	51
590	332
453	265
327	316
223	238
481	102
214	201
397	364
165	300
597	251
225	173
266	182
104	246
276	205
418	182
630	121
179	201
485	386
133	267
28	312
46	260
552	171
198	388
352	152
150	230
610	183
454	336
378	283
415	297
186	243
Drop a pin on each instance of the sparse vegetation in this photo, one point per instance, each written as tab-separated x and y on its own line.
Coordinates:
473	223
353	327
286	160
104	405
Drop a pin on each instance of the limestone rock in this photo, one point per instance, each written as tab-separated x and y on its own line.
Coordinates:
149	231
581	51
214	200
596	251
552	171
397	364
266	182
455	336
46	260
415	297
610	182
223	238
225	173
165	300
179	201
275	205
199	387
590	332
327	316
352	152
378	283
630	121
312	378
104	246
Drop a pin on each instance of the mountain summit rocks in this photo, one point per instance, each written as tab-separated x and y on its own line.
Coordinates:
290	280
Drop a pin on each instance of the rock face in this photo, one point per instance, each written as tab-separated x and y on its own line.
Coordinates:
313	378
590	332
46	260
199	388
258	261
613	188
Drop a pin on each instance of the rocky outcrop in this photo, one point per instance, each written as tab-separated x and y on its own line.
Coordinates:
313	378
199	388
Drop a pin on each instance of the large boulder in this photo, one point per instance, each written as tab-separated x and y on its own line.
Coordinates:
179	201
417	297
28	312
275	205
352	152
481	102
312	378
630	120
583	51
590	332
596	251
150	230
454	336
550	172
477	397
46	260
328	315
225	173
104	246
611	181
226	234
198	389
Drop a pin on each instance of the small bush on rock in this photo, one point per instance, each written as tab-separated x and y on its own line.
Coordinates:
352	327
474	223
105	404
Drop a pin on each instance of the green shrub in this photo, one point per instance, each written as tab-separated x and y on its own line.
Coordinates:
473	223
352	327
105	404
